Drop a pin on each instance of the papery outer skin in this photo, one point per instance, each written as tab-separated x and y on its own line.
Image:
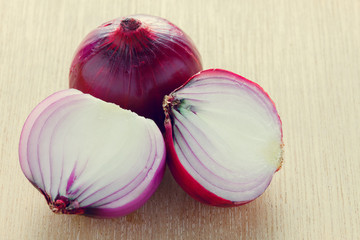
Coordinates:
149	184
159	58
180	174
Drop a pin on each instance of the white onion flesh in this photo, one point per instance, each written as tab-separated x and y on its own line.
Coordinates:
227	135
93	153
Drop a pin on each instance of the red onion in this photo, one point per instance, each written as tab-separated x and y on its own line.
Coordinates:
223	137
134	61
91	157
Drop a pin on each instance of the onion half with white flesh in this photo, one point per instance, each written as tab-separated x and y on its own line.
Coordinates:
223	137
90	157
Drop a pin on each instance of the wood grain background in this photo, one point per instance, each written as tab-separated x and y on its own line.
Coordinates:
306	55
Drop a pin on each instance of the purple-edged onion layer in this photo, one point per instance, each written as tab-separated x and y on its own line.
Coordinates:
134	61
224	138
91	157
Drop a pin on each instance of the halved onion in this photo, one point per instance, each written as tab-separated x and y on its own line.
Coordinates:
91	157
224	138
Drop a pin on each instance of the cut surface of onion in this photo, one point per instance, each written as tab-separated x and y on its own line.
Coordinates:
224	137
91	157
134	61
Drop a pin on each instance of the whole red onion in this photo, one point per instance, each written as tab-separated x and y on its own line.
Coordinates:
133	62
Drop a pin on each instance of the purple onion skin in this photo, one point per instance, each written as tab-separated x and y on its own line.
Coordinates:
134	62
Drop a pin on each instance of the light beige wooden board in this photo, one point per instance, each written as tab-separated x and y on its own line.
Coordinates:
305	54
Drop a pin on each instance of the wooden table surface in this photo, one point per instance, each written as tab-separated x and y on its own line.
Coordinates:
305	54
